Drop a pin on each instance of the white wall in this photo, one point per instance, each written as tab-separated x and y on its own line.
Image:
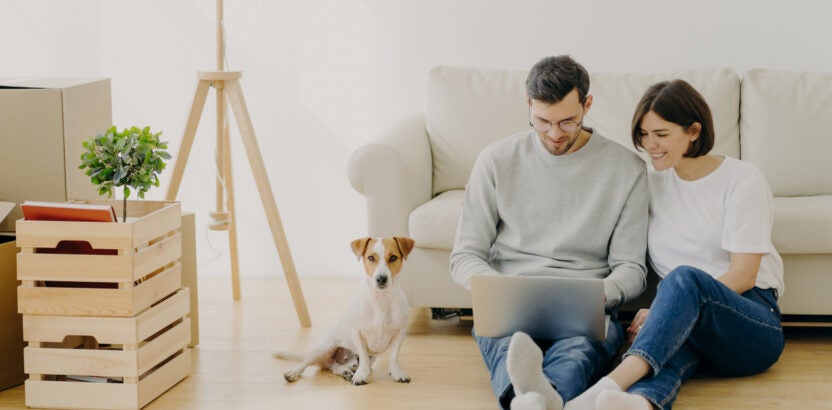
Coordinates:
323	77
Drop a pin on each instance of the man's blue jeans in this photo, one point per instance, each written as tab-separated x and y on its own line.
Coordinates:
695	320
570	364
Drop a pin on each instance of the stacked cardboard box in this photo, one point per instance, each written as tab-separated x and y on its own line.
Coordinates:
42	125
104	311
11	325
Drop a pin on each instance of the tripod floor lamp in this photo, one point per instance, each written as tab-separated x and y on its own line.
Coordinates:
229	91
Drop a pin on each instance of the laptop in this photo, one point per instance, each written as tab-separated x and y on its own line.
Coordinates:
545	307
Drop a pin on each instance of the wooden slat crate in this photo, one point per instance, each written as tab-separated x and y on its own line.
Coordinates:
132	359
100	268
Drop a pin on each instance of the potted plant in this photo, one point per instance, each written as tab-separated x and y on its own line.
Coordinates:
131	158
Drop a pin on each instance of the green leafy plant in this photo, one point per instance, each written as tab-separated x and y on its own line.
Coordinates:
131	158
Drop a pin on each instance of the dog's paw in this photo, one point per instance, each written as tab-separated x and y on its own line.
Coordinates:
292	376
360	377
347	375
404	379
400	376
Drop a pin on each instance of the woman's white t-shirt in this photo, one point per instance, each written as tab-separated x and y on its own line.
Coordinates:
700	223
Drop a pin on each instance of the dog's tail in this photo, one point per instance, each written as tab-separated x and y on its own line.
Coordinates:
295	357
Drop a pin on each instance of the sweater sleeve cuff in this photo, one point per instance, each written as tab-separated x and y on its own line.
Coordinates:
612	295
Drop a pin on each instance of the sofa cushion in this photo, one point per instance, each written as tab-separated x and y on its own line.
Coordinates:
786	130
803	224
616	96
468	109
433	225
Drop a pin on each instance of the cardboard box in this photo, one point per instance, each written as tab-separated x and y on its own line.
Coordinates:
11	322
43	123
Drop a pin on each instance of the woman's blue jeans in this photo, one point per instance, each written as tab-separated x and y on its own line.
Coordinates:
695	320
570	364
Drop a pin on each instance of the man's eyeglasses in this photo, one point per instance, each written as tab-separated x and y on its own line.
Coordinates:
545	126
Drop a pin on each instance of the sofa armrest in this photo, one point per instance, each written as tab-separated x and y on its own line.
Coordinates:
394	173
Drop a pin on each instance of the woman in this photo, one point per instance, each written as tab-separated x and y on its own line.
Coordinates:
709	238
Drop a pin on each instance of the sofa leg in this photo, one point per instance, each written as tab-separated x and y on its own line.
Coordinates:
437	313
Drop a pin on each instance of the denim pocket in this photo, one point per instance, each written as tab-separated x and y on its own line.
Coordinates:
765	297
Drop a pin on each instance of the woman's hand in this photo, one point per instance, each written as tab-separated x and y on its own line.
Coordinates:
637	323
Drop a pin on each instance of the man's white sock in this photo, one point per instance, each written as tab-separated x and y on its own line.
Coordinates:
618	400
525	369
586	401
528	401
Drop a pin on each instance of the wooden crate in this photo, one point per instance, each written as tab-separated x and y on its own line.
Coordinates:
135	359
100	268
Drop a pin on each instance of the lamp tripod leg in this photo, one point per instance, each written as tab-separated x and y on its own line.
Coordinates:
188	139
222	139
255	159
229	191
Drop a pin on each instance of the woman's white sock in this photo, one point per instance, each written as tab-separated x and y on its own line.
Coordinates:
586	401
618	400
525	369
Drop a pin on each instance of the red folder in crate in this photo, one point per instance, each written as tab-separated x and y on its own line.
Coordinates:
64	211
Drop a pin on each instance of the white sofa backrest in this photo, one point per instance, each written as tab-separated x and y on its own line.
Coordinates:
786	129
468	109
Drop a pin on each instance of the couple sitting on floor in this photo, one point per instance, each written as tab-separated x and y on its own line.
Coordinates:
563	200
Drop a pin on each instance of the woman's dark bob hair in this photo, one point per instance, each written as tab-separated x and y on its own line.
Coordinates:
677	102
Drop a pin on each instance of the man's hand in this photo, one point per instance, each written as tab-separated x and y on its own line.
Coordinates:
637	323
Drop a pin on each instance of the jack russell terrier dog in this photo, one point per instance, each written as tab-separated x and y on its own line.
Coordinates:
375	321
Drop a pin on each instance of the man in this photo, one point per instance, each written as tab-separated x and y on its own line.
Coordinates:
558	200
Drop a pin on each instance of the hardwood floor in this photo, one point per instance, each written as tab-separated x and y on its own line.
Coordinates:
234	368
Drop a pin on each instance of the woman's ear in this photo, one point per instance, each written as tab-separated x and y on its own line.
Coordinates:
694	131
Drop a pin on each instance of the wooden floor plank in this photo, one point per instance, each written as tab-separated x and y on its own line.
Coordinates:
234	367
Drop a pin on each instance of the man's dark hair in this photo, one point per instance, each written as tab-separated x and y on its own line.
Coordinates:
554	77
677	102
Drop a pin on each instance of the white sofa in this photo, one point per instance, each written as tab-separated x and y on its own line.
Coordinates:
413	177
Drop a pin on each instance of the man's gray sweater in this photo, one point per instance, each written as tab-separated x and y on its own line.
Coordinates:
528	212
